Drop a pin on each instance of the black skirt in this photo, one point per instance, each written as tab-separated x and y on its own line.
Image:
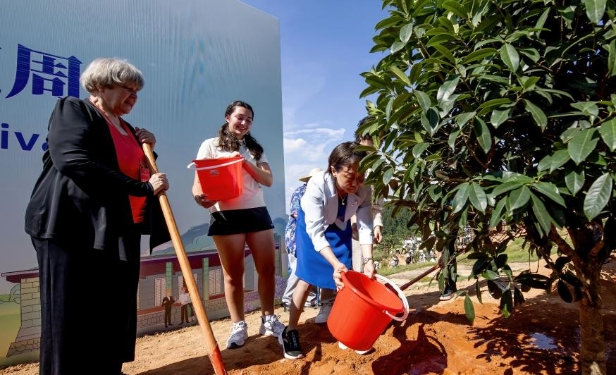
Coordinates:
239	221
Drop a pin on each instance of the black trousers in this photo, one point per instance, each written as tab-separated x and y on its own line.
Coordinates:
184	313
88	305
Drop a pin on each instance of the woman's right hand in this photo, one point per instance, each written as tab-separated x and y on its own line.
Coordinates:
159	182
202	201
339	269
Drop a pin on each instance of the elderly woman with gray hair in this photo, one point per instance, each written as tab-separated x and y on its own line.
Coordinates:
92	201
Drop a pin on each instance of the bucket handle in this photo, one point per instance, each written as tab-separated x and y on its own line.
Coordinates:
385	281
194	166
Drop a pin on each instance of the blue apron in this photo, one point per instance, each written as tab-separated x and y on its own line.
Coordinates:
312	267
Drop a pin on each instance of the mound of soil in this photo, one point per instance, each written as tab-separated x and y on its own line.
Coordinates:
541	337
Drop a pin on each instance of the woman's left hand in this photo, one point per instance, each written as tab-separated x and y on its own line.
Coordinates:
369	269
145	136
202	201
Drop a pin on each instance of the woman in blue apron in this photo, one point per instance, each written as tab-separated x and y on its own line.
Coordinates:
324	235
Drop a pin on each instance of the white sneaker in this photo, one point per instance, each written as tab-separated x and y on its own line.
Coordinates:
360	352
270	326
239	334
323	314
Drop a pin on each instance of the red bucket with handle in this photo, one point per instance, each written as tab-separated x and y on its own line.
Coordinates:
221	179
363	308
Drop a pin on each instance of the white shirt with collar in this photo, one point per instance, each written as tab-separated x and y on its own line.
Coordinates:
320	206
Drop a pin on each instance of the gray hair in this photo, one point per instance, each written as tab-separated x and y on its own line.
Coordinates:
107	71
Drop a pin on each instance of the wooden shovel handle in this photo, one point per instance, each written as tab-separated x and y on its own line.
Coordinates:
213	351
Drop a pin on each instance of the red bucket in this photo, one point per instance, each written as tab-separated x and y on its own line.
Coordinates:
363	309
220	179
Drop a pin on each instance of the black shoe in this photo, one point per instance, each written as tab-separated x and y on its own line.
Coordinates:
290	344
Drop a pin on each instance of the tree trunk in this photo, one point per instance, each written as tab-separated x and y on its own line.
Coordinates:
592	354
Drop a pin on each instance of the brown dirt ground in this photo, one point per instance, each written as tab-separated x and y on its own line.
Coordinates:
435	339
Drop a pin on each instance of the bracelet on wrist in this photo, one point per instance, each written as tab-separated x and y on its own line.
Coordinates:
367	259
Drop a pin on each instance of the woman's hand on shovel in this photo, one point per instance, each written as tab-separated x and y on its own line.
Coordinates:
159	182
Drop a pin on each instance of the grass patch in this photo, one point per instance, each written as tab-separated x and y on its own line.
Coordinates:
515	254
386	270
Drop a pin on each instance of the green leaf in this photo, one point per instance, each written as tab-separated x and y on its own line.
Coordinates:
510	57
549	191
611	59
533	280
490	275
405	32
461	197
608	133
597	197
564	292
430	121
574	180
423	99
507	186
594	10
478	197
387	176
480	265
401	75
444	52
456	8
494	289
519	198
582	144
487	106
397	46
543	218
497	213
482	132
447	88
571	279
528	82
500	116
419	149
469	309
537	114
561	262
558	159
463	118
478	55
587	108
506	305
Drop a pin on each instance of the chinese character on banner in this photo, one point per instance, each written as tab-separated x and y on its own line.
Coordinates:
48	72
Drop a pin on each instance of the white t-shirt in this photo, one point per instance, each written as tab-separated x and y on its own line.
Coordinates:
184	298
252	193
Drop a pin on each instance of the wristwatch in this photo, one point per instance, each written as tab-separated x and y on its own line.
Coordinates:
367	259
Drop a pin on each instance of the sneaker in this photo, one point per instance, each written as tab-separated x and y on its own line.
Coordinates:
323	314
360	352
239	334
447	295
290	344
270	326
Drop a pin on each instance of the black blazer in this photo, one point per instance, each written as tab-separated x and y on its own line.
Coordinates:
81	191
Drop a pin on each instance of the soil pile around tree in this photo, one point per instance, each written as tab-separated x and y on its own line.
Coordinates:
541	337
